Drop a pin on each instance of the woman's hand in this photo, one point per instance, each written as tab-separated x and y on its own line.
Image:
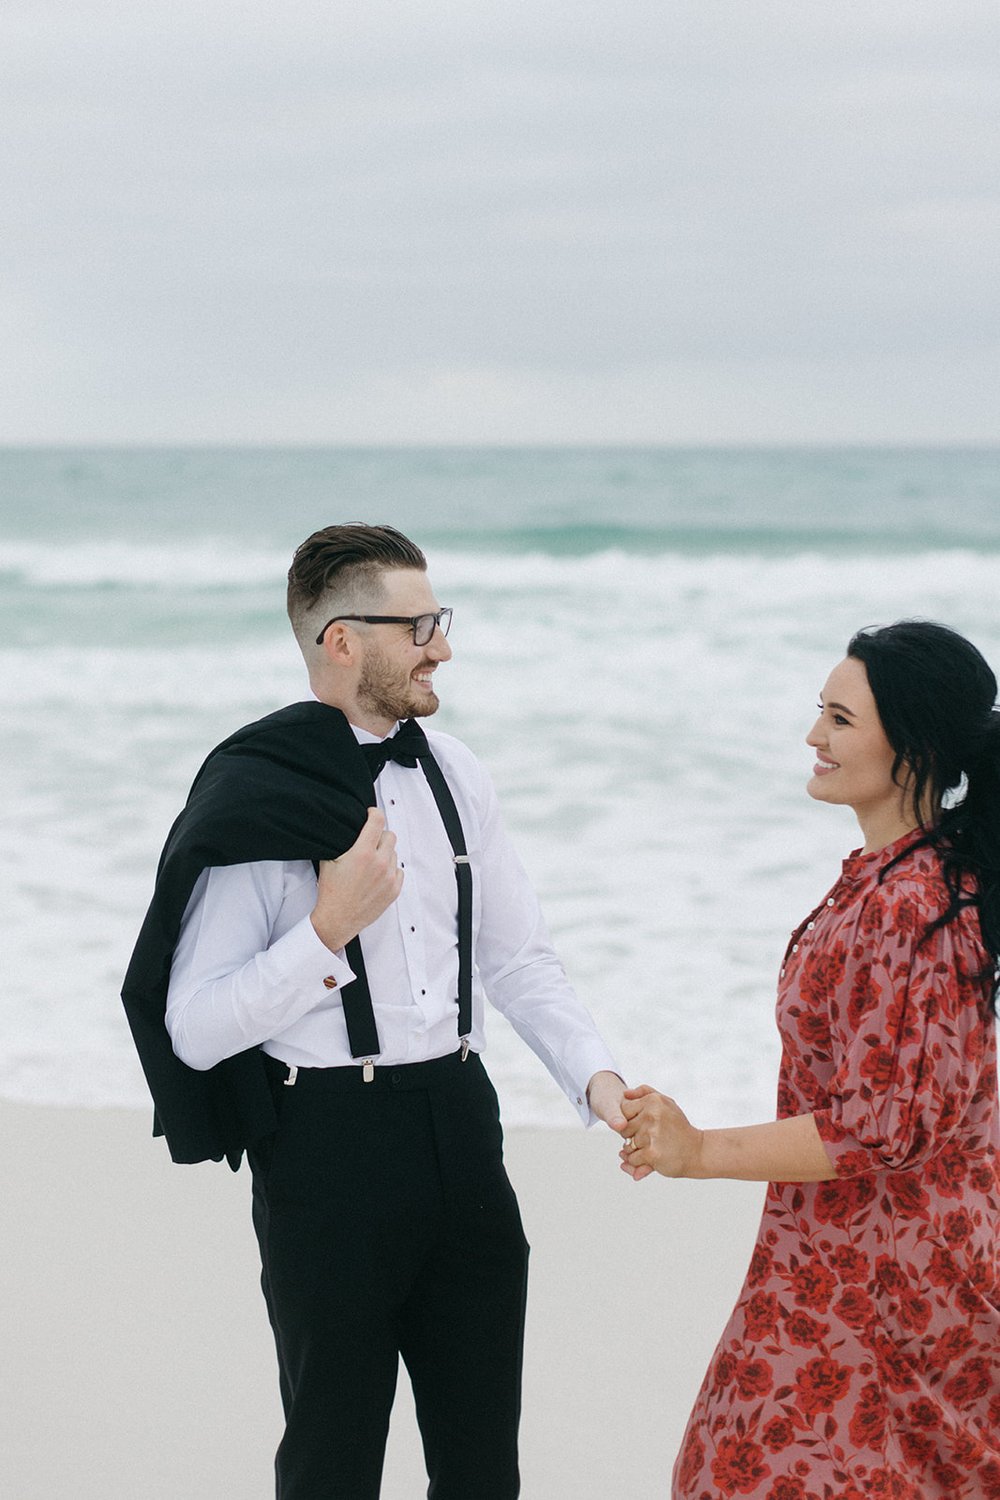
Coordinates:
662	1138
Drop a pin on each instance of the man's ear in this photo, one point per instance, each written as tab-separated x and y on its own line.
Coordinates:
341	645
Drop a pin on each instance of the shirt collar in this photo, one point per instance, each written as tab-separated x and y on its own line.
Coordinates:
858	867
364	736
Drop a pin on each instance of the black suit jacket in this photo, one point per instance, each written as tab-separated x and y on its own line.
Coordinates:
291	786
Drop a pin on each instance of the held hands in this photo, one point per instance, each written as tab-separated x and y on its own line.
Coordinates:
356	888
622	1110
662	1138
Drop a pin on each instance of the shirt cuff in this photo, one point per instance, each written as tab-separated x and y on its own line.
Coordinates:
306	961
591	1060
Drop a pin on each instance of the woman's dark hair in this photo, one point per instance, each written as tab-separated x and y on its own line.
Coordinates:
936	697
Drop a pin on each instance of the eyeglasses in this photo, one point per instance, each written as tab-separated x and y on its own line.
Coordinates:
423	626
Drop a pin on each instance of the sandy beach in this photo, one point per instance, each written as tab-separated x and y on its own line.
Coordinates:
138	1359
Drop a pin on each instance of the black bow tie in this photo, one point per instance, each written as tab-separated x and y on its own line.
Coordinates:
405	746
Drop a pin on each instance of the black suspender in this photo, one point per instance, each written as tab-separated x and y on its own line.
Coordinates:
359	1015
362	1033
463	875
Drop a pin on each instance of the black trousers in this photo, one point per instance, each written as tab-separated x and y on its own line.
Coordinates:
387	1226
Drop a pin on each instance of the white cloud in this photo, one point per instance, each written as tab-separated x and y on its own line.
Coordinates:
218	217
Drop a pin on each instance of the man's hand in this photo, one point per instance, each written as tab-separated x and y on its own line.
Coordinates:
604	1095
356	888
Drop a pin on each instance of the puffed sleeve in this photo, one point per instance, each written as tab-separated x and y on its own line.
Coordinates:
907	1036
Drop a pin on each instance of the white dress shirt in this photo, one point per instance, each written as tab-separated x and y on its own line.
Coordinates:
249	968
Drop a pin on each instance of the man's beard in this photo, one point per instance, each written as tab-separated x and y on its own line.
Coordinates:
387	692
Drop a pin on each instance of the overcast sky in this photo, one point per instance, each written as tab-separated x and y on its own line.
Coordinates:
398	221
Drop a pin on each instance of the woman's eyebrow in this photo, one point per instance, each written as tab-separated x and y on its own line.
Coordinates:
839	708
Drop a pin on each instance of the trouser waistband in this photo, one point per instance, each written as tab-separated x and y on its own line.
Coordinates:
419	1075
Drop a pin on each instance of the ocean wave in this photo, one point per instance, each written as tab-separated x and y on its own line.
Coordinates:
693	540
207	563
218	563
643	718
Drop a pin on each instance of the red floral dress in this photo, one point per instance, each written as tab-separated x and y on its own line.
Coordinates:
863	1356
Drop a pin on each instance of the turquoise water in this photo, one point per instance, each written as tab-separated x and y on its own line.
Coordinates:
639	639
562	501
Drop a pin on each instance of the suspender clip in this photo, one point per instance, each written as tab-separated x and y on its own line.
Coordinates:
289	1082
462	859
368	1071
465	1047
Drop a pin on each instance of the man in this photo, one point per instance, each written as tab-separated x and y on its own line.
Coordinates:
349	1069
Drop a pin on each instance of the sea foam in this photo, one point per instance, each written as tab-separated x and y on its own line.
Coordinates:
643	716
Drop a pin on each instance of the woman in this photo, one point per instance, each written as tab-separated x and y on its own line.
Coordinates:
863	1356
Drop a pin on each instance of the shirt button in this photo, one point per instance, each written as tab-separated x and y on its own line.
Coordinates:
795	947
811	925
830	901
329	982
578	1099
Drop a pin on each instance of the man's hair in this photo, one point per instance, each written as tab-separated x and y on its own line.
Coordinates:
339	569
